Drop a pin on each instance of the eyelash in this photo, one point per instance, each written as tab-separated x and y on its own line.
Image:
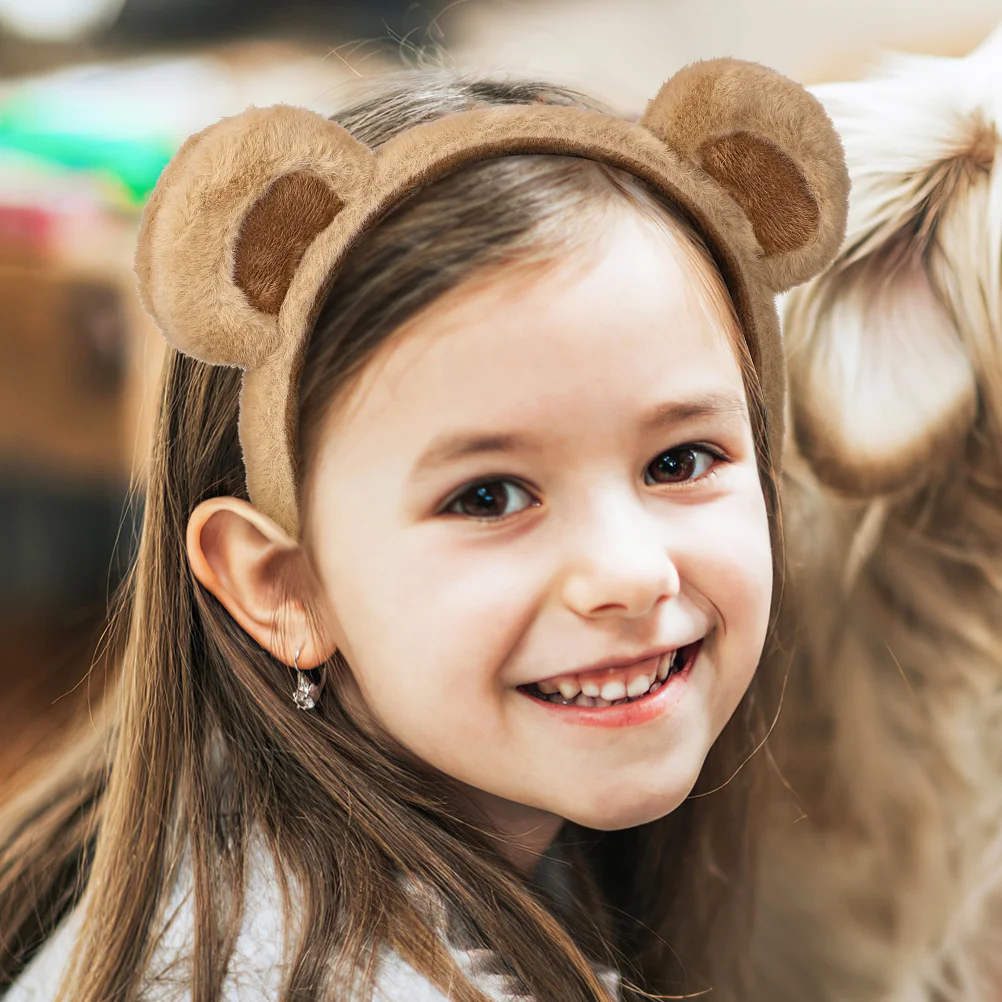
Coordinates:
716	455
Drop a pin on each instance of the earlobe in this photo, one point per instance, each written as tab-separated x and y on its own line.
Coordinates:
241	556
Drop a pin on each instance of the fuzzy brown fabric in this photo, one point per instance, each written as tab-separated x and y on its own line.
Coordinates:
281	224
255	213
767	184
720	97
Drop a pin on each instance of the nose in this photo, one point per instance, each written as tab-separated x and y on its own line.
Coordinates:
620	563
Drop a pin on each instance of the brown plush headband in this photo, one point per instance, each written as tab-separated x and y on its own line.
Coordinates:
251	219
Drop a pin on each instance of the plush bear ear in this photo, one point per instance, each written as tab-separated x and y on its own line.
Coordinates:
893	352
882	391
770	145
230	221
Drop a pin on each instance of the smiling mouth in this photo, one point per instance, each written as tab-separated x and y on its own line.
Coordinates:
614	686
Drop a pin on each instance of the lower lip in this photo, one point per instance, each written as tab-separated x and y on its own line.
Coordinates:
628	714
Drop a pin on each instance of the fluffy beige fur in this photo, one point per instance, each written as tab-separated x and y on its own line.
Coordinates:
748	154
883	880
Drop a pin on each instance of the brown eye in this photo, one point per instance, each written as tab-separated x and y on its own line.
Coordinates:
676	466
494	499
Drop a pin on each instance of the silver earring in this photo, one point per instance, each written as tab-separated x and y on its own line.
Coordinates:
307	693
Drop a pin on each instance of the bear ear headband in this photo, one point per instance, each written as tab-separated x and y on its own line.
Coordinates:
253	216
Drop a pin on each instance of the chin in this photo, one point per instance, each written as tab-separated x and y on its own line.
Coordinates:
622	811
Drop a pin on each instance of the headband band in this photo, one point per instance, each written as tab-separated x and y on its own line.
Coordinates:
250	221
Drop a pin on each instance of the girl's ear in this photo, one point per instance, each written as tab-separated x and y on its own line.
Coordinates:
246	561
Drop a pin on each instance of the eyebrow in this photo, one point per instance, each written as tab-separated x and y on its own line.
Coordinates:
700	406
450	448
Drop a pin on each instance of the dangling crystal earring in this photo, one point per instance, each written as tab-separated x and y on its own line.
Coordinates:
307	693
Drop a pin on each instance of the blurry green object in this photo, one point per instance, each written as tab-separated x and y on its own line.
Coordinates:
109	129
43	129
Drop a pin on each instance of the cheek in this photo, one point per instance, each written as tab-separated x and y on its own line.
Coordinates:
736	571
425	623
731	560
732	571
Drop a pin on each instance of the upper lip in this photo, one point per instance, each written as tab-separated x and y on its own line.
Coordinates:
655	652
621	662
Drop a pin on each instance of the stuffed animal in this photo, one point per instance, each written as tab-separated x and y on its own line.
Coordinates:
883	875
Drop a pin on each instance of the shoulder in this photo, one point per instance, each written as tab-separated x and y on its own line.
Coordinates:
40	980
257	968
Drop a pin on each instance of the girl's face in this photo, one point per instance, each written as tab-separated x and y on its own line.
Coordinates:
539	527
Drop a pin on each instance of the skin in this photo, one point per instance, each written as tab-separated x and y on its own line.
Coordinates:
582	374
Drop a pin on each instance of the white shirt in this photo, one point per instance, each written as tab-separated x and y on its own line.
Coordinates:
256	969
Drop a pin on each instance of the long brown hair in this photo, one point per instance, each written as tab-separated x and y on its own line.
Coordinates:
199	745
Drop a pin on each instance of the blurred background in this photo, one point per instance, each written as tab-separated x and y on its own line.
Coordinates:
95	95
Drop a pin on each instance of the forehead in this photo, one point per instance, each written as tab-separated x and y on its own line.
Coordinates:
624	317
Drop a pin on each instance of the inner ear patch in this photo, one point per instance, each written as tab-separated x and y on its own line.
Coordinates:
275	234
769	187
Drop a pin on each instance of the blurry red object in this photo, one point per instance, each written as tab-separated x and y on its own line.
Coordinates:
25	233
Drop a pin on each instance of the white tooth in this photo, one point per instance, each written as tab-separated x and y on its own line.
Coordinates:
664	665
584	701
547	688
568	687
655	687
638	685
613	689
601	702
591	688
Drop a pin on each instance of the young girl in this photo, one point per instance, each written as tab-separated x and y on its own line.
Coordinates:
438	657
